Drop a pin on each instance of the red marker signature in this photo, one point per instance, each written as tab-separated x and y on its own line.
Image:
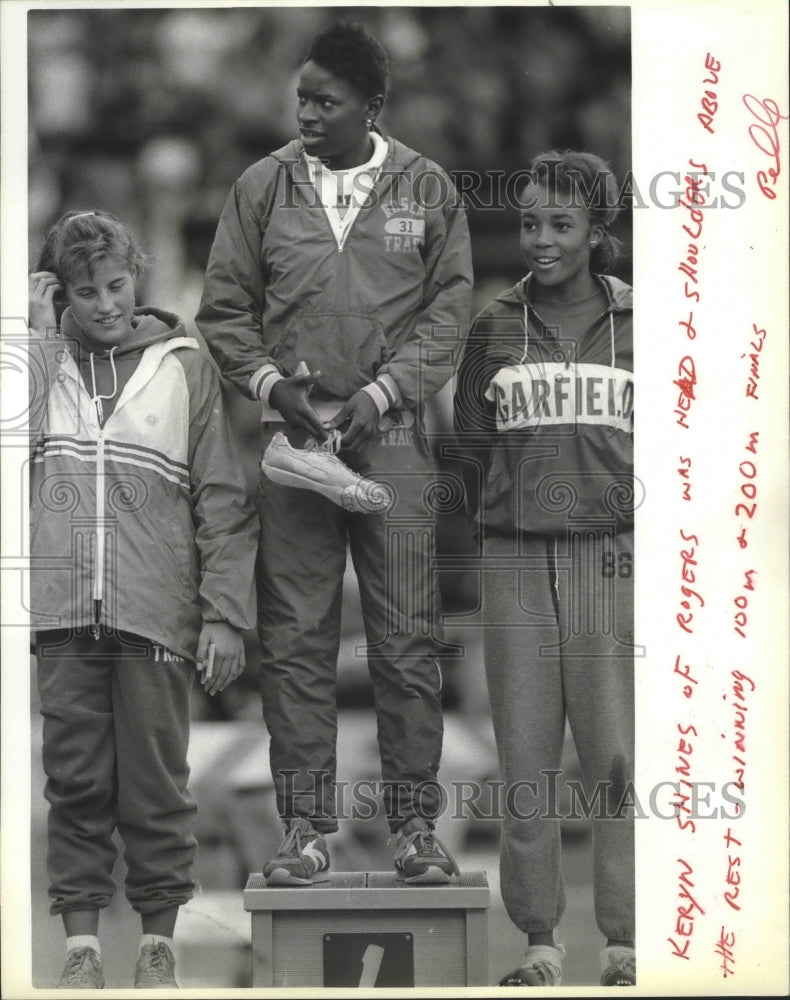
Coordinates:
764	134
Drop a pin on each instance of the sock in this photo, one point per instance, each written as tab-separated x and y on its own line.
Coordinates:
155	939
552	952
83	941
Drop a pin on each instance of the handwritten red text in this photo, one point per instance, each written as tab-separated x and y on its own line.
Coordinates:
685	474
754	361
741	602
765	135
693	200
688	559
686	912
725	950
685	672
748	488
710	104
742	686
686	382
733	877
685	803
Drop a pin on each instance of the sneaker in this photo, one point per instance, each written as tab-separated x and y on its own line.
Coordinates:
82	971
619	966
155	968
316	468
301	859
421	857
541	966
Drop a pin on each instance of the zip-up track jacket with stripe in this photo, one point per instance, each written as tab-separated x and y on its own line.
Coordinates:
548	422
387	303
141	523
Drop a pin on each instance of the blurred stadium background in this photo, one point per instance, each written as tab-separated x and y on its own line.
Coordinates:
152	113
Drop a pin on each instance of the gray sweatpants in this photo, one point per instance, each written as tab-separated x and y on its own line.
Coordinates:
558	644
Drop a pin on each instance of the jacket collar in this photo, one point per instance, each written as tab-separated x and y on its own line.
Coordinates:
399	157
619	295
149	326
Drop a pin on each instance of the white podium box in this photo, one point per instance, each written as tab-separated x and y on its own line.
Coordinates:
368	929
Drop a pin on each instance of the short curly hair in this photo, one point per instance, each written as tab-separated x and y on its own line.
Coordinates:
351	52
79	241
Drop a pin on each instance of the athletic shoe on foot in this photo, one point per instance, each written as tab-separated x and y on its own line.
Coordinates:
619	966
301	859
316	468
421	857
82	971
541	966
155	968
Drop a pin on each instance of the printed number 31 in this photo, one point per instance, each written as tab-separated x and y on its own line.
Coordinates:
623	567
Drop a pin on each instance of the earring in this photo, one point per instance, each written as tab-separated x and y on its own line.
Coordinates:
369	122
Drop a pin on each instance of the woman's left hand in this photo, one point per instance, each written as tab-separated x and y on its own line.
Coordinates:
358	419
220	656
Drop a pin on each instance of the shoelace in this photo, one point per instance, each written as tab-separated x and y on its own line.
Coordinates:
546	971
331	446
622	969
428	844
294	838
79	960
159	964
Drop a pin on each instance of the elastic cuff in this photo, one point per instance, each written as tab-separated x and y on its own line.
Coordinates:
262	381
384	393
379	398
390	387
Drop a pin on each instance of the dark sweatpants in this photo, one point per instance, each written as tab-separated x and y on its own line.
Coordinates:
116	731
302	557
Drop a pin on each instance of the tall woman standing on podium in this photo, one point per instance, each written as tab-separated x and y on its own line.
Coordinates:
337	290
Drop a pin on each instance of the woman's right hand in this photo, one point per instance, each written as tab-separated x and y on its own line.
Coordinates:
290	397
42	288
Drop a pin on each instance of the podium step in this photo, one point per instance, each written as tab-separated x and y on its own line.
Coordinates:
369	929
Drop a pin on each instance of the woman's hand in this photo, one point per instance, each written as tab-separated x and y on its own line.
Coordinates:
361	416
42	288
220	656
290	397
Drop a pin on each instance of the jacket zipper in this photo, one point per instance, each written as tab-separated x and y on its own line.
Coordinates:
98	565
101	532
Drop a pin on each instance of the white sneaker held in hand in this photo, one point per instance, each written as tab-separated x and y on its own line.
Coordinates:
319	470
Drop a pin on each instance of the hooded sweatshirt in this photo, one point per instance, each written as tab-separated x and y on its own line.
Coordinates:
105	371
545	422
382	305
140	518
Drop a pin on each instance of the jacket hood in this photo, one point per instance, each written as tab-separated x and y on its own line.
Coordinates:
399	156
619	294
149	326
